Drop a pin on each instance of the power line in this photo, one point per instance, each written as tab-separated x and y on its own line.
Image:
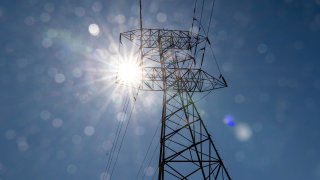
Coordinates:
215	59
153	153
124	134
146	155
194	15
201	15
115	140
211	13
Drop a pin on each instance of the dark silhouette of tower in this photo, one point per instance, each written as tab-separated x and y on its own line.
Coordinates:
171	62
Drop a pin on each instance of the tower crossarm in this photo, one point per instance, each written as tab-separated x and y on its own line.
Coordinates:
163	38
182	79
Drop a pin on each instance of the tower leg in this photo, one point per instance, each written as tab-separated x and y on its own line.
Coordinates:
187	150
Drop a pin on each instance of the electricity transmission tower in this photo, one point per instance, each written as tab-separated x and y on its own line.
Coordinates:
171	62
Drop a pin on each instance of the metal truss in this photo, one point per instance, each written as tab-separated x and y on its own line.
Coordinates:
183	79
170	39
170	62
187	150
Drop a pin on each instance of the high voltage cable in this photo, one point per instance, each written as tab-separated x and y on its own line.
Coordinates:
215	59
145	157
115	140
201	14
130	114
153	153
115	143
204	31
121	121
154	175
213	2
125	131
194	14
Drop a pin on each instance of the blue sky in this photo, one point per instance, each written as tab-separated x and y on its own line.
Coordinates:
60	108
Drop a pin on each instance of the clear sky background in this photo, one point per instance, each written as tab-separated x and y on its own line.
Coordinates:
59	106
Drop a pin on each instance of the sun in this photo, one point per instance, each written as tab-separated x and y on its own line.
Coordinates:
129	73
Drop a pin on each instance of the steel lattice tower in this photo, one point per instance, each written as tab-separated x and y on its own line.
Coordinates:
171	62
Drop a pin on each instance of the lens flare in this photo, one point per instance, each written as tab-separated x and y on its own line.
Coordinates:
229	120
129	73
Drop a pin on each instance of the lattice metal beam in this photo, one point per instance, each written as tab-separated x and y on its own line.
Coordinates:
170	63
170	39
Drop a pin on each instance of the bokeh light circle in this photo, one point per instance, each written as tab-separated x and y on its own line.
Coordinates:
94	29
